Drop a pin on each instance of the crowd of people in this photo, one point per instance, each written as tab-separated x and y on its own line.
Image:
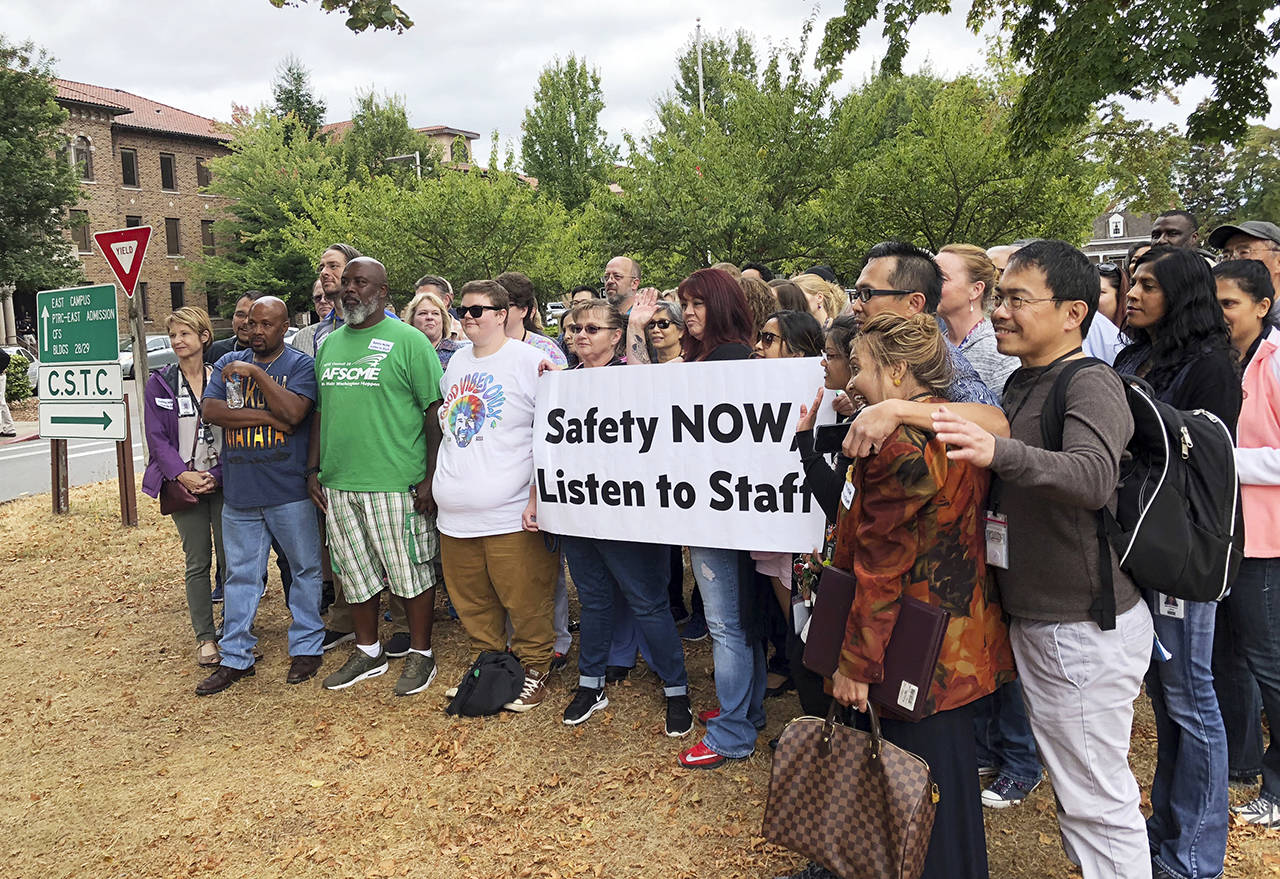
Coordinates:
383	453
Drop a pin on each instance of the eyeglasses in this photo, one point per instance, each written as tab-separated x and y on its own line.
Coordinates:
767	339
1250	252
661	323
474	310
612	276
866	294
589	329
317	299
1015	303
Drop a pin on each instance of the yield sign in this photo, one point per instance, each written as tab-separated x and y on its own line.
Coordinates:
124	250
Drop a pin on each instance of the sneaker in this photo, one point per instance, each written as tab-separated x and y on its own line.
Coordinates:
558	661
332	639
701	757
451	692
776	684
302	668
224	677
397	645
419	671
586	702
1005	792
217	595
574	626
359	666
706	714
615	674
694	630
1260	811
679	716
531	694
987	773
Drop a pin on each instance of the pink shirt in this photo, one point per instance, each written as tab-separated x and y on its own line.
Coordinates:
1258	450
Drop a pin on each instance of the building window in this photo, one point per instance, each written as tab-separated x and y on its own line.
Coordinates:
79	224
168	172
131	222
171	238
206	236
82	156
176	294
202	173
140	293
1116	226
129	167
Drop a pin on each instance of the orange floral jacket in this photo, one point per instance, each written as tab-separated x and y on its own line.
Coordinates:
916	527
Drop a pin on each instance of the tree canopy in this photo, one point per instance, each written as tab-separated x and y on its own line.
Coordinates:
292	94
362	15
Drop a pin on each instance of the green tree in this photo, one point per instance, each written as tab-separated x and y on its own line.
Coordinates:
1082	53
292	94
37	183
722	59
563	144
379	131
362	15
273	170
1222	183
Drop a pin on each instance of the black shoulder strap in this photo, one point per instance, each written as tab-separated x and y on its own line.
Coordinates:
1053	417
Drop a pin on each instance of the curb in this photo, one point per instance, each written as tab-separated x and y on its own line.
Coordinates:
20	439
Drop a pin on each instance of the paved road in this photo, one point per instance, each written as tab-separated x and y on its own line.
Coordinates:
24	467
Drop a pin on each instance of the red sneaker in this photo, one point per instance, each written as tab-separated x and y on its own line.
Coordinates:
701	757
706	714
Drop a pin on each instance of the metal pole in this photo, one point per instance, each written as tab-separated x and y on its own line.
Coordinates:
702	108
58	475
124	473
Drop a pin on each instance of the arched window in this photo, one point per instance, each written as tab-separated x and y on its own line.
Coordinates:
1116	226
82	156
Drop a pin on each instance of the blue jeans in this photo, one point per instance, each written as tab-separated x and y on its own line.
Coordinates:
1247	670
247	533
613	573
1187	829
627	638
1004	736
739	663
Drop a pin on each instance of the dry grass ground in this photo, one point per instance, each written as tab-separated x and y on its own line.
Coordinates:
114	769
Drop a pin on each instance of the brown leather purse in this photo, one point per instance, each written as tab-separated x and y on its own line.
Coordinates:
854	803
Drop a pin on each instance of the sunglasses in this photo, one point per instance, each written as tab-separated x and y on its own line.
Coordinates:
1108	267
866	294
317	299
662	324
589	329
474	311
767	339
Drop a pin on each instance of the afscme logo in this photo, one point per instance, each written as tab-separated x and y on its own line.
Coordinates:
365	369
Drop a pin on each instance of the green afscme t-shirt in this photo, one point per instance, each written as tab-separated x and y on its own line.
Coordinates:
375	386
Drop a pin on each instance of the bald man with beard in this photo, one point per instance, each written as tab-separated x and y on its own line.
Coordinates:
264	462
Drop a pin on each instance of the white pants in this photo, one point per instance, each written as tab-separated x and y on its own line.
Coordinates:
1079	684
6	419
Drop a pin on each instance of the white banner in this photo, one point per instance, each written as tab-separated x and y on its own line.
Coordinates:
696	454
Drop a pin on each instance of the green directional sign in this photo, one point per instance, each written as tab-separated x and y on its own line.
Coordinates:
78	324
80	419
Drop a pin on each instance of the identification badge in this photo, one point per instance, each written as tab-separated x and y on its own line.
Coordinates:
997	531
907	694
382	345
1168	606
846	496
185	406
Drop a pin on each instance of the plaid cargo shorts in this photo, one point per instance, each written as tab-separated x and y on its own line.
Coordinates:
377	532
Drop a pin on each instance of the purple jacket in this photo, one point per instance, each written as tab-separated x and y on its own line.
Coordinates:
165	462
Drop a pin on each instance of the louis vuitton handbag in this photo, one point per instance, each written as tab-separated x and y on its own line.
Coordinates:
854	803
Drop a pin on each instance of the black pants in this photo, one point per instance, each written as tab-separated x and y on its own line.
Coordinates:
809	685
958	847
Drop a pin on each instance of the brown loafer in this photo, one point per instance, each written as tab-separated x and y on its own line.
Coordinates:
302	668
224	677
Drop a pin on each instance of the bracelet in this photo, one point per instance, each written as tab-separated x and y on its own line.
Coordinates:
311	471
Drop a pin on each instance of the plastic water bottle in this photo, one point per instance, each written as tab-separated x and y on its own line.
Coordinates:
235	393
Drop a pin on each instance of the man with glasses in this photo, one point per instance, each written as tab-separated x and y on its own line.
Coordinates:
621	280
1252	239
264	457
496	564
1079	679
375	438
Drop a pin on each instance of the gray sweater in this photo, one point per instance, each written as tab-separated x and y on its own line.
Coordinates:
1051	497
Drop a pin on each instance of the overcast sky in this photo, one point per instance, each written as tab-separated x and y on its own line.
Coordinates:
471	65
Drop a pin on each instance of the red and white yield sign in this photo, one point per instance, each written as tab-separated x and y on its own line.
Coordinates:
124	250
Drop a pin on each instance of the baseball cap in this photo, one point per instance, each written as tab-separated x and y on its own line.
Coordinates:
1253	228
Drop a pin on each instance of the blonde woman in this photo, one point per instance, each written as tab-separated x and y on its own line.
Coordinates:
825	299
184	450
968	282
427	312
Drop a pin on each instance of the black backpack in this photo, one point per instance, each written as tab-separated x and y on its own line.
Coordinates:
493	680
1178	526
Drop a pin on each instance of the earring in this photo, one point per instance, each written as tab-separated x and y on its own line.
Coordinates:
971	308
896	382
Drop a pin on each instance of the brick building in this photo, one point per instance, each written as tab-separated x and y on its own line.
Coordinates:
143	162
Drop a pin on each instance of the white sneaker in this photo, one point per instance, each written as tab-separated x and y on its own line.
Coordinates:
1261	812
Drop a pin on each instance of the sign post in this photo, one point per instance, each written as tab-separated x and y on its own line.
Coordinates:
80	386
124	250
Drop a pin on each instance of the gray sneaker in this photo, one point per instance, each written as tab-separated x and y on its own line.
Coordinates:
358	667
419	672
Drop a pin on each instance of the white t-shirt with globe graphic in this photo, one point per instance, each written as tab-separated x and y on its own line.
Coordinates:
485	467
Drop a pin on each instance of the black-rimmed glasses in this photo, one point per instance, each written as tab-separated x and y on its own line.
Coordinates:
866	294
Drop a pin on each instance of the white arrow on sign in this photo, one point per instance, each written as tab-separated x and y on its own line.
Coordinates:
44	334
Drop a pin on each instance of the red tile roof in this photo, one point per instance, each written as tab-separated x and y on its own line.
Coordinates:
337	130
134	111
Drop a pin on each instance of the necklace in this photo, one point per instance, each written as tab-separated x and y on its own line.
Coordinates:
265	364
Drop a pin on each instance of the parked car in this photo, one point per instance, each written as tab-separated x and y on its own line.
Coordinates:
33	371
159	354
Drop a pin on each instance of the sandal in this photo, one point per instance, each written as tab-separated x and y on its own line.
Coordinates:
207	654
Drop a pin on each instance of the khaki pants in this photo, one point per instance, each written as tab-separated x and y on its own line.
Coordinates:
505	574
